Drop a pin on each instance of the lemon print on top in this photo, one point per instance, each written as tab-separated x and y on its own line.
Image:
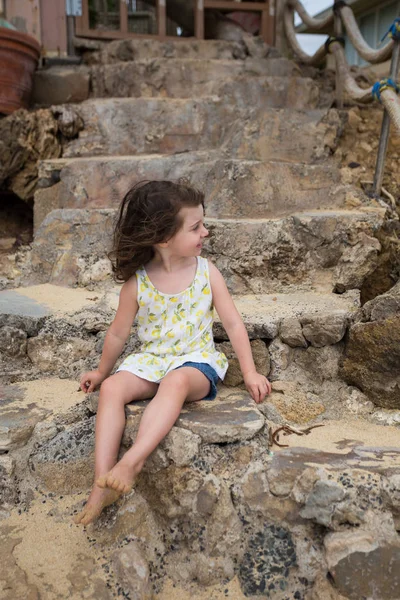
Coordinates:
174	329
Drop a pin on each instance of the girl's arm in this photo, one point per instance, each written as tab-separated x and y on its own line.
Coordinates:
258	385
116	336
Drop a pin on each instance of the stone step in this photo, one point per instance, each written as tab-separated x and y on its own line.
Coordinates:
310	250
158	72
139	49
52	329
297	341
131	126
61	85
233	187
278	81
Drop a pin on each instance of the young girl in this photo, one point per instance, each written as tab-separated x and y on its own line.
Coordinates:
171	290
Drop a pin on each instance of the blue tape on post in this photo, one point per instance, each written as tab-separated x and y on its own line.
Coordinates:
379	86
393	31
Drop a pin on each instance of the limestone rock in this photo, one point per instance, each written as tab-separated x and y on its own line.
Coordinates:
173	492
249	253
324	330
216	422
45	431
254	491
50	354
357	262
391	496
360	564
291	333
208	495
182	78
8	487
224	528
198	566
66	462
223	421
133	571
13	341
18	418
320	503
134	49
269	557
323	590
69	122
293	403
260	354
181	446
280	354
26	137
372	360
383	307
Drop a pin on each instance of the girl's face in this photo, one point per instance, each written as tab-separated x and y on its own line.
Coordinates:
188	240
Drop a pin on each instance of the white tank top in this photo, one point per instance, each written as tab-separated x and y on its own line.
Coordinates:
174	328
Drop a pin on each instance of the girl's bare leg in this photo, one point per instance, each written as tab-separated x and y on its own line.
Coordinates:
160	415
115	392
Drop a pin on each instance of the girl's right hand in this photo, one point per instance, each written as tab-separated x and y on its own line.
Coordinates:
91	380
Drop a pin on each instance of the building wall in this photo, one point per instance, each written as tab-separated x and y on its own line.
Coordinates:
54	27
45	20
25	16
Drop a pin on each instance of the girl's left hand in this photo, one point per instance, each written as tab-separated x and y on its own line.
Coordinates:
257	385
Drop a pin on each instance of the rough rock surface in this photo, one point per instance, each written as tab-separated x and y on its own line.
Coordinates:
372	355
25	138
255	256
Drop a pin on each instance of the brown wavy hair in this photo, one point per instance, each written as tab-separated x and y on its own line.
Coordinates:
148	215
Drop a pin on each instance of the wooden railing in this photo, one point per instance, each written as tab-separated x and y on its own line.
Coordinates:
121	19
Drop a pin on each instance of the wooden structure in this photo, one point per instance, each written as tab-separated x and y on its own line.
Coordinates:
122	30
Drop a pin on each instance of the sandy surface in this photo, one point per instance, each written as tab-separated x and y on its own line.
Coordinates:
57	395
339	437
231	590
59	299
259	306
52	556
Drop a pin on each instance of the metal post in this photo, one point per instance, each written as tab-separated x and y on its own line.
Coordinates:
384	137
70	36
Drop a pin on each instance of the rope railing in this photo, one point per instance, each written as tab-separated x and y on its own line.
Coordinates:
385	91
355	36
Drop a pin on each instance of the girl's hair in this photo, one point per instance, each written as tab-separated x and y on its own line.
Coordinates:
148	215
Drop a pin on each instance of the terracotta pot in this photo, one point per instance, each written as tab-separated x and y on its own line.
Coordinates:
19	55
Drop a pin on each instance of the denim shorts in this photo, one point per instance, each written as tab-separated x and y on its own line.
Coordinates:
209	372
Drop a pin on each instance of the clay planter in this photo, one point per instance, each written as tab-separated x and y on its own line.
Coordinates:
19	55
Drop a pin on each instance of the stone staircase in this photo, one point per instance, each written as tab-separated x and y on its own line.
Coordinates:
254	134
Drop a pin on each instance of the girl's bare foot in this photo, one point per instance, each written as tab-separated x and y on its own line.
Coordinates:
121	477
97	501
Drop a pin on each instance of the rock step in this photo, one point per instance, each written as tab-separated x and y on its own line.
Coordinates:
150	76
60	85
135	49
57	330
130	126
232	187
310	250
263	314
